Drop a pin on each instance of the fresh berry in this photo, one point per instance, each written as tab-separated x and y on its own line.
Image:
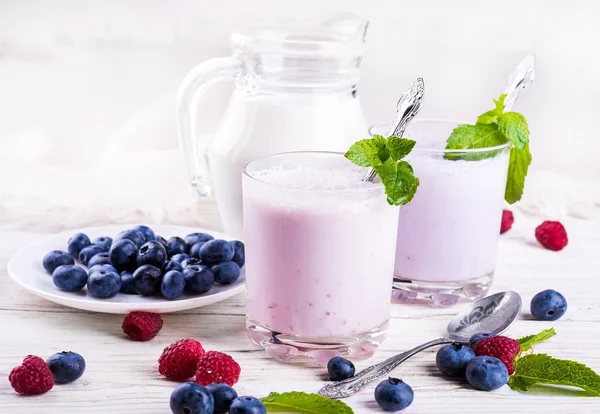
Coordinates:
179	361
123	255
548	305
214	366
104	284
146	280
195	249
247	405
107	267
70	277
501	347
127	285
172	265
105	242
31	377
239	255
87	253
198	279
180	257
226	273
394	394
146	231
486	373
552	235
161	240
142	326
478	337
452	359
194	238
136	236
223	395
507	221
56	258
100	259
176	245
340	369
215	251
77	243
191	398
66	366
172	285
191	261
152	253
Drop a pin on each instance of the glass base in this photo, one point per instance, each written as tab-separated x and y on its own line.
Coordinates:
292	348
441	293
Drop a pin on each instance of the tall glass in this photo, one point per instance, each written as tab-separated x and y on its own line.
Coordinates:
319	256
448	234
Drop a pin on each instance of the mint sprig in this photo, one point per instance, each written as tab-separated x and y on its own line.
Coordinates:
301	402
385	156
528	341
496	127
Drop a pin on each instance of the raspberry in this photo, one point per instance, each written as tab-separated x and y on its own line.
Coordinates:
142	326
552	235
218	367
507	221
32	377
179	360
501	347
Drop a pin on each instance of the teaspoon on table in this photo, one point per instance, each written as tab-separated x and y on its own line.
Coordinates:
493	314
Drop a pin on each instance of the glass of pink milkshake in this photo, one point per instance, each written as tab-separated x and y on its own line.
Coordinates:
320	248
448	234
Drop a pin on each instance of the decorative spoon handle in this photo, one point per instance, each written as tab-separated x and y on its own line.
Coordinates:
519	79
351	386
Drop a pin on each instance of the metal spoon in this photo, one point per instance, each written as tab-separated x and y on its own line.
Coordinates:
491	314
407	107
519	79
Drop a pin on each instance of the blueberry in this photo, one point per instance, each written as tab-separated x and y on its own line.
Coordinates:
106	267
548	305
70	277
192	261
56	258
198	279
136	236
87	253
172	285
340	369
479	336
195	249
77	243
239	255
123	255
191	398
180	257
215	251
172	265
176	245
247	405
104	284
146	231
127	285
223	395
105	242
486	373
452	359
99	259
161	240
194	238
226	272
66	367
146	280
393	394
152	253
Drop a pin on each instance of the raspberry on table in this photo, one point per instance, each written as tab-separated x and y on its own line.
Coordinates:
179	360
552	235
32	377
142	326
501	347
507	221
218	367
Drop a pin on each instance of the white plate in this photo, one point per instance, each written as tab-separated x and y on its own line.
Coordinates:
25	268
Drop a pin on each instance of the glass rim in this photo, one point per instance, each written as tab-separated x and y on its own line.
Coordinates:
443	151
376	186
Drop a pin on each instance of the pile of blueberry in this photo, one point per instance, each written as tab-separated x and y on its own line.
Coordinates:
189	398
139	262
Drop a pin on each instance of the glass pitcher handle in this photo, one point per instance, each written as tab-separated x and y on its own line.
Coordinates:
194	85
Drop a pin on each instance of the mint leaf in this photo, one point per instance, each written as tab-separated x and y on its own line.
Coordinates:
475	136
528	341
543	369
514	127
487	118
399	181
301	402
399	147
365	152
499	110
517	171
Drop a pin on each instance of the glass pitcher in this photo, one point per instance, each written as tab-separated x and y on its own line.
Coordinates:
296	89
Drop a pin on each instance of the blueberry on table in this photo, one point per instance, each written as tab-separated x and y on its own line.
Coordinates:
152	253
452	360
176	245
340	369
146	231
71	278
191	398
479	337
105	242
146	280
136	236
172	285
107	267
195	249
66	367
198	279
87	253
99	259
194	238
127	285
394	394
247	405
226	272
56	258
548	305
192	261
77	243
180	257
239	255
223	395
104	284
172	265
123	255
486	373
215	251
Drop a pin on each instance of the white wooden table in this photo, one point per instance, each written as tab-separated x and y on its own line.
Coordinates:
122	376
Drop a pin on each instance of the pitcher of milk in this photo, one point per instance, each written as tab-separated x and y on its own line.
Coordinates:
296	89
